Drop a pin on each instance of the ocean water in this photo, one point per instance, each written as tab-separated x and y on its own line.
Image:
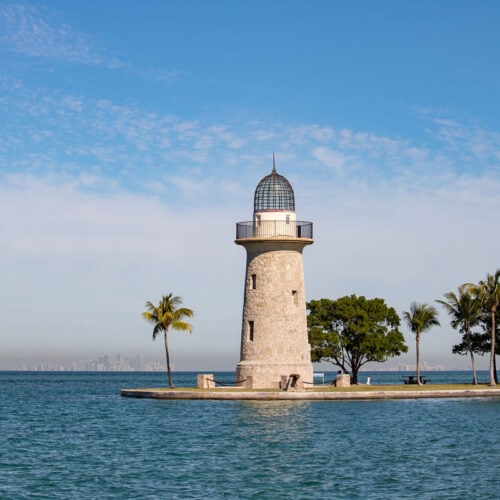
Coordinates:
71	435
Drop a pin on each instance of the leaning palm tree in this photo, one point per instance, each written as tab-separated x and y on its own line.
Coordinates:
167	315
465	311
420	318
488	292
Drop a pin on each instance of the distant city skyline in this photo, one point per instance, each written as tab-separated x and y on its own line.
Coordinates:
119	362
133	134
114	363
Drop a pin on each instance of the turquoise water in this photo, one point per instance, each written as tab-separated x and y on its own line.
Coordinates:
71	435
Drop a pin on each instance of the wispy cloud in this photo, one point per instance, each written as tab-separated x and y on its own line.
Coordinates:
467	141
50	132
36	32
96	193
330	158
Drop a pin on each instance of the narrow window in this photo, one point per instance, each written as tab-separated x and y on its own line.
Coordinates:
250	331
295	298
288	219
254	281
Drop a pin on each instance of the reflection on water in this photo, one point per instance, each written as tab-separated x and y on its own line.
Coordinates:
271	408
274	422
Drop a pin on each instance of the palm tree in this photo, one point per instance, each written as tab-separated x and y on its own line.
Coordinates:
167	315
488	292
420	318
465	312
486	343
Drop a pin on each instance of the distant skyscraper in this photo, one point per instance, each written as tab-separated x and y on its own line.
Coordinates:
274	340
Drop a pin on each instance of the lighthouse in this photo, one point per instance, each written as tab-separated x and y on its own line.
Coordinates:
275	350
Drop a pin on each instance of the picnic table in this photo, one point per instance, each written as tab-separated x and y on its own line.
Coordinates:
412	379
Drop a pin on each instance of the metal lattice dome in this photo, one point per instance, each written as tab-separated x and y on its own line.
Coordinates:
274	192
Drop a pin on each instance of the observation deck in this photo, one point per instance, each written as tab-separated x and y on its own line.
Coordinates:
274	229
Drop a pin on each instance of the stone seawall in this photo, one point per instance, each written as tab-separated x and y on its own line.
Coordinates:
224	394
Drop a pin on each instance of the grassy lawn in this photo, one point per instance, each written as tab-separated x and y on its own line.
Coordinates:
403	387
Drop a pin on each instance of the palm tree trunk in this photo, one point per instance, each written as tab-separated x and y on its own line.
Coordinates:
468	341
473	361
492	357
167	355
417	337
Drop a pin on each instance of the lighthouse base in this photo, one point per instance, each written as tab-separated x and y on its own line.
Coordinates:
271	375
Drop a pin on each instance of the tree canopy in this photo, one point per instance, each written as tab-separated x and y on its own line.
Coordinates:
352	331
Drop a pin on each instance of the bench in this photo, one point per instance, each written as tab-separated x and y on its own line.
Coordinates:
412	379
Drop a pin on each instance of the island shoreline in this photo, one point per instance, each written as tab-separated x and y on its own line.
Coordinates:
308	395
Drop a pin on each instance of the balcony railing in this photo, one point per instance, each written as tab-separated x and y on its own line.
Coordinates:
274	229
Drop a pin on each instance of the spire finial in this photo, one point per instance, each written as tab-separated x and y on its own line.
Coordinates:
274	164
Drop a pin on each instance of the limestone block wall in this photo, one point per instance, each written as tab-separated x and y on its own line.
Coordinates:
343	380
205	381
274	326
268	375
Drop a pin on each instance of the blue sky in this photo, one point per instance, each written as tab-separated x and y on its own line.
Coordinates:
133	134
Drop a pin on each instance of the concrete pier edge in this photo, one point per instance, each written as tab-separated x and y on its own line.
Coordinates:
223	394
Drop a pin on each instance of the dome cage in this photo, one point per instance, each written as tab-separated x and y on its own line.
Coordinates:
274	192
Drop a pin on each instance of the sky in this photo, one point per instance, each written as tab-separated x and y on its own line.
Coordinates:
133	135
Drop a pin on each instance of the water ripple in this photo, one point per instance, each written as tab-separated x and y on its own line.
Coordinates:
72	436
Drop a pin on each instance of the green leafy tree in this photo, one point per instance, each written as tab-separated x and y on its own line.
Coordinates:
488	292
464	309
352	331
420	318
478	343
167	314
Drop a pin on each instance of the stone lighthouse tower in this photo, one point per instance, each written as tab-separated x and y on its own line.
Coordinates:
274	343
